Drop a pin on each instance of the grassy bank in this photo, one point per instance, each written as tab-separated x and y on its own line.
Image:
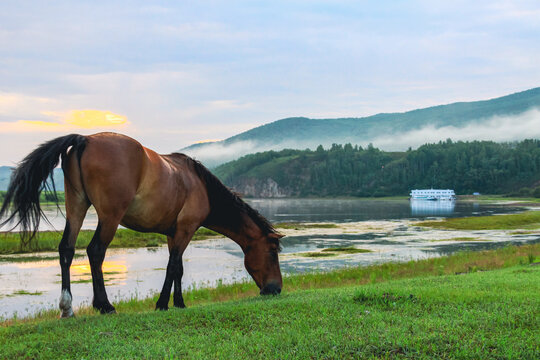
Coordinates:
400	311
48	240
526	220
124	238
499	198
458	263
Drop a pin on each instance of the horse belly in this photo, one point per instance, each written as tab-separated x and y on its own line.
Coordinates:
146	217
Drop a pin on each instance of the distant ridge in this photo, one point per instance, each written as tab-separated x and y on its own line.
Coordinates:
5	174
302	132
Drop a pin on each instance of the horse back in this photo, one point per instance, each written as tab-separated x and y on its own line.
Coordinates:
144	190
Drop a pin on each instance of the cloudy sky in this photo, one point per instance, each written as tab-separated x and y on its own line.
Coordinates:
174	73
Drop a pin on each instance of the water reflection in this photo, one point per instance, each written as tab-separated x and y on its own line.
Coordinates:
421	207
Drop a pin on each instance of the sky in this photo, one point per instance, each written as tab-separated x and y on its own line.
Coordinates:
174	73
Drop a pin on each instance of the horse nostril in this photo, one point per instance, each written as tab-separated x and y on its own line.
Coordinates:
271	289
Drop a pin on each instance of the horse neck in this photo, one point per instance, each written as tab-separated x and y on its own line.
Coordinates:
245	234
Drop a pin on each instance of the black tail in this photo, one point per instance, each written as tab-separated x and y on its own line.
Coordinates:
30	178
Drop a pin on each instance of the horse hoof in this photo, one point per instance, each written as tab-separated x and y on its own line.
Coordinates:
162	307
67	314
105	309
65	304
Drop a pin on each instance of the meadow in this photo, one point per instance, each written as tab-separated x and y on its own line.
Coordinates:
468	305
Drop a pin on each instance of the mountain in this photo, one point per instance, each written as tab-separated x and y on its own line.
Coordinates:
301	132
5	174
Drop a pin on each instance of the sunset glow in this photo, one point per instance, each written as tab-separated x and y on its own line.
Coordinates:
70	121
94	118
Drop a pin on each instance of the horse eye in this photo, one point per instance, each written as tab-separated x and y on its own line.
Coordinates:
273	255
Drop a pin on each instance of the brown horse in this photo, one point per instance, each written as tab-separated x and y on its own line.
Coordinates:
132	185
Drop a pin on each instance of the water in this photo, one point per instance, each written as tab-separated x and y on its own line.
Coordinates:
329	210
382	226
349	210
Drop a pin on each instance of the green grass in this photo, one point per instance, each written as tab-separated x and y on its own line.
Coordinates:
526	220
32	258
124	238
498	198
303	226
419	309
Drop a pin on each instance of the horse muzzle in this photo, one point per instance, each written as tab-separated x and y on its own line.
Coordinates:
271	289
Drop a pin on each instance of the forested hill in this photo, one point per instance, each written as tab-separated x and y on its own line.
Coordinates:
466	167
301	132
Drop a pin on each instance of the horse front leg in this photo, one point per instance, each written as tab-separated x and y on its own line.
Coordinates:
178	300
175	269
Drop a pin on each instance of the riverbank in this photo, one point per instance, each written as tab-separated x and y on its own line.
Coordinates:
48	240
529	220
442	307
501	199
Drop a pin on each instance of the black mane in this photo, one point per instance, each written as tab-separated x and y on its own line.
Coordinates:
226	207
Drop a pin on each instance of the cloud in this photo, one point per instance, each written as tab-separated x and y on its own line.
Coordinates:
73	120
21	105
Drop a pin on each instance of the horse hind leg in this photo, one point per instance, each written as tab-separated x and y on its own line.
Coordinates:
96	254
66	251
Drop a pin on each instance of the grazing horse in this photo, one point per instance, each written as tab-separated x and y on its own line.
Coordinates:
131	185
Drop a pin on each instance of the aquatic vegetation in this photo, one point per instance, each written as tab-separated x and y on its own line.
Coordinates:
24	292
334	251
460	239
316	254
346	250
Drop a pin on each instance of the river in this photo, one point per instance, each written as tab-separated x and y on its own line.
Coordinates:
385	227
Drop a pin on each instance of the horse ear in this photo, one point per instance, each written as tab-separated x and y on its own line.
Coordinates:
275	236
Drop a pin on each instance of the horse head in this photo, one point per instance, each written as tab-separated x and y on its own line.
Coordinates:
262	262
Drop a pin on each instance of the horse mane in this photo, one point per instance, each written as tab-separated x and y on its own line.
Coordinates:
226	207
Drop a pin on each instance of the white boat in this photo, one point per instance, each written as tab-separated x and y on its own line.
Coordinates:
433	194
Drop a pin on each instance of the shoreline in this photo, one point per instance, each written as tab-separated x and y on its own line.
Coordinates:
455	264
47	241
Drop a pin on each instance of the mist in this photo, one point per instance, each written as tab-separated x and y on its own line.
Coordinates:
498	128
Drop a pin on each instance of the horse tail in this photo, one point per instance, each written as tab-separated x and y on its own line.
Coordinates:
30	178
